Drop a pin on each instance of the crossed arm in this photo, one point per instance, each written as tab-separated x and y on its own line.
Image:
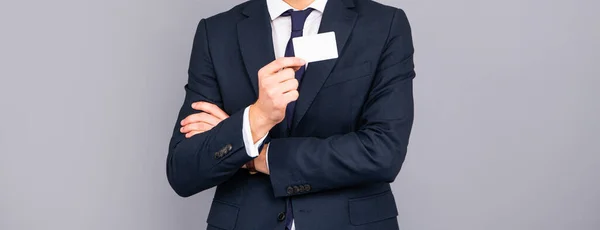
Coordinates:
374	153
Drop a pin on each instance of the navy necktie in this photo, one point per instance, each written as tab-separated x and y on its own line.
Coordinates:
298	20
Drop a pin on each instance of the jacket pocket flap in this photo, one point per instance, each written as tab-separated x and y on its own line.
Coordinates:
222	215
347	74
372	208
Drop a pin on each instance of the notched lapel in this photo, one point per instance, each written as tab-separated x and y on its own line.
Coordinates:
340	18
256	46
255	39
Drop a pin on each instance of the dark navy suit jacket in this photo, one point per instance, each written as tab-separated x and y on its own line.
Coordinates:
350	130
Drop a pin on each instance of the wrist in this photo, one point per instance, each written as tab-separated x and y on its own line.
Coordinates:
259	123
260	163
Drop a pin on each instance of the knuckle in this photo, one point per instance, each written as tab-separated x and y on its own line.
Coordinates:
292	96
204	117
266	83
289	71
191	127
191	119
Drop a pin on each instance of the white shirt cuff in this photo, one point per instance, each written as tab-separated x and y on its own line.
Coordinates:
251	148
267	159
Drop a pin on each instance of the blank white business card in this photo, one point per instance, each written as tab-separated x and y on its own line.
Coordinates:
314	48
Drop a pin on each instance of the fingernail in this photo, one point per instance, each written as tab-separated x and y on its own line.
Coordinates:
181	130
194	105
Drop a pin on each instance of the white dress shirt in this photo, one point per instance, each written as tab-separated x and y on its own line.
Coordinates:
282	30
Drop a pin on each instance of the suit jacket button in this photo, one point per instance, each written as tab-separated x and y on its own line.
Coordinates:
307	188
303	188
281	216
218	155
290	190
228	148
296	189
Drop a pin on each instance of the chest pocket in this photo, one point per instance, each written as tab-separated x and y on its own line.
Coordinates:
348	74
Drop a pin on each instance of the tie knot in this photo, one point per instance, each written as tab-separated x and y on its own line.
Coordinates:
298	18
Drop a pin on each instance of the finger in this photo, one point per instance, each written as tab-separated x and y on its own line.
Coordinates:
201	117
289	85
296	68
284	75
200	126
277	78
191	134
190	119
210	108
291	96
281	63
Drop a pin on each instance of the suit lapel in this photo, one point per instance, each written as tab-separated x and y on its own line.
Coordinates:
256	46
255	39
340	18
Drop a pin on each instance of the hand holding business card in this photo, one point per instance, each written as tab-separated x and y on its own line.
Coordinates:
314	48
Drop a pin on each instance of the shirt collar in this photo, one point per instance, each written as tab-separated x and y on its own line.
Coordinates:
277	7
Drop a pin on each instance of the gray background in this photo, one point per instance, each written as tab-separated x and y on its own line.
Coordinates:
505	137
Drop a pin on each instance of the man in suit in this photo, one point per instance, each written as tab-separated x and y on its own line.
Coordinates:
290	145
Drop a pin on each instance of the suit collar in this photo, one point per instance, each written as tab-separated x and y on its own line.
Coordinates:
277	7
254	7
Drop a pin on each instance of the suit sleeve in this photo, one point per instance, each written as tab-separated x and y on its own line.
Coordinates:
210	158
376	151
